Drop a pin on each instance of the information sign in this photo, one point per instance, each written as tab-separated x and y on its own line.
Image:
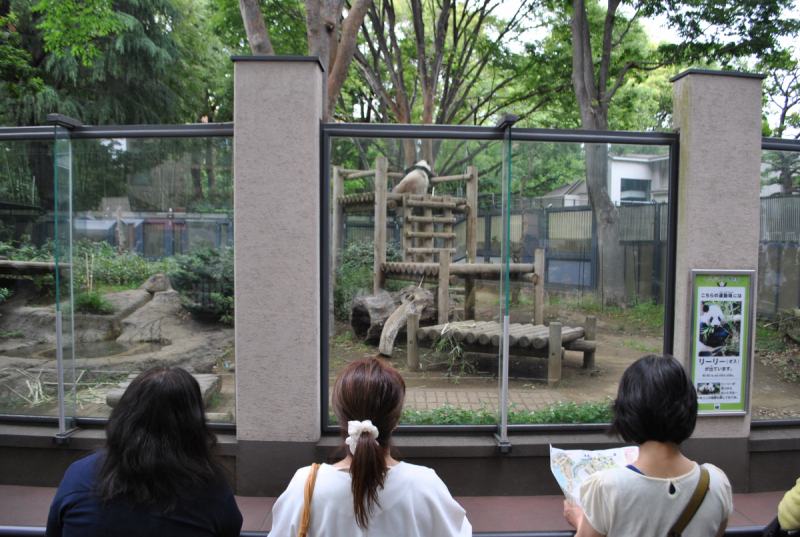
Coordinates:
721	349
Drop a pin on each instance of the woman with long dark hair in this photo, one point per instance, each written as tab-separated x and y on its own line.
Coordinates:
656	408
159	473
369	492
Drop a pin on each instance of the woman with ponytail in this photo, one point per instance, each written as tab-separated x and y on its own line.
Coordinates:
369	492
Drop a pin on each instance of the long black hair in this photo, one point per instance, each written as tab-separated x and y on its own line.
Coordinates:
158	446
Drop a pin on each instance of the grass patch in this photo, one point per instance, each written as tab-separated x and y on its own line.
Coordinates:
768	339
640	346
93	303
589	412
104	288
645	315
12	335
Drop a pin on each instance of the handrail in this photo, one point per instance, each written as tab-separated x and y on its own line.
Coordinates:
739	531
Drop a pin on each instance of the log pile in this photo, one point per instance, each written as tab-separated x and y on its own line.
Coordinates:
520	335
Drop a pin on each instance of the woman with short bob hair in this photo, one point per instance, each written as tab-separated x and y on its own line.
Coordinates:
656	408
159	473
369	492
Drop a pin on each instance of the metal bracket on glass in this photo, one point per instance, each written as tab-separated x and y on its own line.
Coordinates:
63	121
503	446
62	439
507	121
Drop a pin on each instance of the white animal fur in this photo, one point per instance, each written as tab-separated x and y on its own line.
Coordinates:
415	181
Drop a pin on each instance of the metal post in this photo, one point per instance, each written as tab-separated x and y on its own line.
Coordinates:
60	361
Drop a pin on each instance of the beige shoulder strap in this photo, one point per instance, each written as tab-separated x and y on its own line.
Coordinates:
694	504
302	530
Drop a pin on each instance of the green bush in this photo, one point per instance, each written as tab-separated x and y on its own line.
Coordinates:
92	303
589	412
205	278
357	273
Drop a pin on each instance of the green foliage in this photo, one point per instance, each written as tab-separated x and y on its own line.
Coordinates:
356	275
93	303
74	26
589	412
205	277
16	74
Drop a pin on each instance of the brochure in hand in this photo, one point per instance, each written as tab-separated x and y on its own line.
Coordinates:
572	467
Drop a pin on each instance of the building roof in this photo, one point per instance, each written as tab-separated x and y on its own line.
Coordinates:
577	187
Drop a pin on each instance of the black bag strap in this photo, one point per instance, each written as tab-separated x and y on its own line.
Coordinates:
697	498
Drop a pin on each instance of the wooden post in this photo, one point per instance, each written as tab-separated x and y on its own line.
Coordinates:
444	287
472	241
554	356
412	324
538	287
381	170
590	332
407	226
429	227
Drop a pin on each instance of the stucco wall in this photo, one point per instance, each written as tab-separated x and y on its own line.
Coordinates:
277	111
718	208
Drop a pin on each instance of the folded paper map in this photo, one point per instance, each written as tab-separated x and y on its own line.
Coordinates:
572	467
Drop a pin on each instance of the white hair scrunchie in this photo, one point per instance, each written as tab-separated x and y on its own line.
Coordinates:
355	429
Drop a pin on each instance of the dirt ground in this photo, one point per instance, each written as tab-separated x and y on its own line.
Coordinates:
776	390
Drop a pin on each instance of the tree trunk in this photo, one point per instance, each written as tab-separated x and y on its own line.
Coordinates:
593	104
415	300
369	313
257	34
342	54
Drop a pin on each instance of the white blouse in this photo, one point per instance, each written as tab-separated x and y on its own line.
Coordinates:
622	502
414	502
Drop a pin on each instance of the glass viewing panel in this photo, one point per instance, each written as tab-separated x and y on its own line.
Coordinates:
141	207
776	370
460	240
600	291
391	256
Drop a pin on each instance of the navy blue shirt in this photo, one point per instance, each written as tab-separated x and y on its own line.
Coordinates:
77	512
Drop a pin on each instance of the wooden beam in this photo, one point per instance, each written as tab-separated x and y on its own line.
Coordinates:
591	334
431	251
381	165
432	204
430	219
472	215
359	175
429	235
450	178
538	288
444	287
412	324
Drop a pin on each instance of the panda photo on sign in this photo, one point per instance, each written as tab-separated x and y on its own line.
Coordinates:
714	330
416	179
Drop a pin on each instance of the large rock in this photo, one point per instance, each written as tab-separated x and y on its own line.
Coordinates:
157	321
209	385
157	283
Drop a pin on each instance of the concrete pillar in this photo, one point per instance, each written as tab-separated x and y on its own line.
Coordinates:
718	116
277	113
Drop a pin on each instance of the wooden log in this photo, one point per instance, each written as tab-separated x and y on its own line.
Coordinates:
430	219
581	345
421	197
450	178
431	251
538	289
568	334
359	208
514	331
359	175
474	335
427	226
485	338
422	333
529	278
368	313
444	285
391	205
412	324
591	335
30	268
454	280
415	300
429	235
396	175
462	209
424	278
406	239
526	339
460	333
432	204
469	296
460	269
379	280
554	356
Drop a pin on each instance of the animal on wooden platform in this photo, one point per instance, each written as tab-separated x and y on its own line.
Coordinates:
416	179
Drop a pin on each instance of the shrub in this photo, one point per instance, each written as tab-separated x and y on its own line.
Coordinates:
92	303
205	278
356	275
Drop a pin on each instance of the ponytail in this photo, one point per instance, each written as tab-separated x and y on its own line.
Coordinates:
368	473
368	390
